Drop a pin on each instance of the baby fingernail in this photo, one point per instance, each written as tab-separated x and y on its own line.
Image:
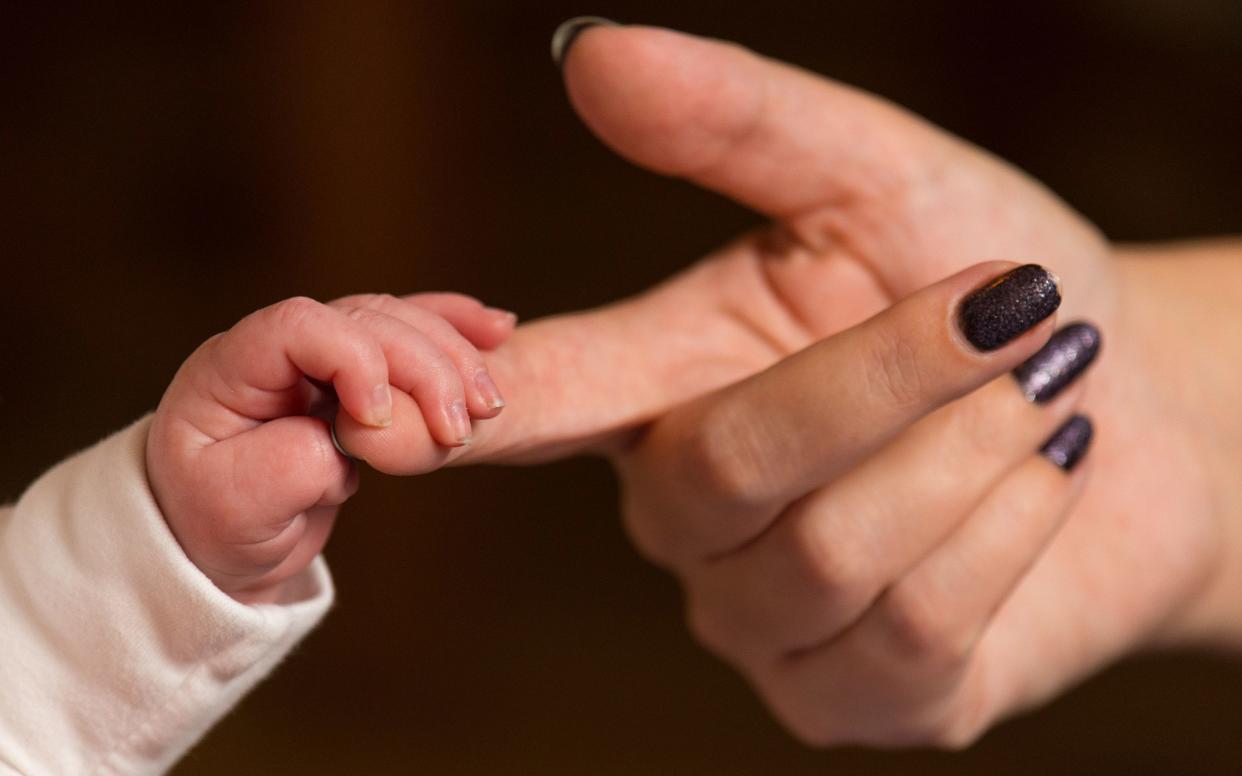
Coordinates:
488	390
1070	442
459	421
508	315
1057	364
1008	306
569	31
381	406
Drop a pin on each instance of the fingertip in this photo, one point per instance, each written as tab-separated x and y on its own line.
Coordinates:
495	330
1059	363
381	406
368	407
407	447
450	424
1070	443
568	33
965	323
502	318
1007	306
1080	474
668	100
489	396
462	432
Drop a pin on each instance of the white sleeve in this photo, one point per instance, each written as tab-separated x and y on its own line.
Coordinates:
116	652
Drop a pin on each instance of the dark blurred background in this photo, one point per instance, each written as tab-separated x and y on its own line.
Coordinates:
165	170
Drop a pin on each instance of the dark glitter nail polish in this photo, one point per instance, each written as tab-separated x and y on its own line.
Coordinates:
569	31
1068	445
1008	306
1068	353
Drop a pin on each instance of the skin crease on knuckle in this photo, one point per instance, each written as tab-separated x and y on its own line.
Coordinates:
948	715
360	314
923	632
895	369
291	314
668	520
838	575
727	457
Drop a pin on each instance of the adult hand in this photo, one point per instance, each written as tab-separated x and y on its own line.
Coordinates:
847	546
870	204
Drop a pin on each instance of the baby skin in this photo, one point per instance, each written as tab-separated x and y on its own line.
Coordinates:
240	453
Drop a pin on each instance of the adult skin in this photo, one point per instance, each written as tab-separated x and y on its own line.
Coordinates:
870	204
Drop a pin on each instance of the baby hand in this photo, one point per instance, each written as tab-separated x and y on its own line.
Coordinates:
248	478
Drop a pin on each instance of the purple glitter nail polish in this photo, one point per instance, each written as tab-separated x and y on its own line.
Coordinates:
1057	364
565	35
1009	305
1068	445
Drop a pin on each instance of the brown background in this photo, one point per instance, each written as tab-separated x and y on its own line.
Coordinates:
163	171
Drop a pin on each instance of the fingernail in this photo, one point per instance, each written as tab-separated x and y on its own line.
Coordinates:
340	448
488	390
1068	445
510	316
569	31
459	420
1068	353
1009	305
381	406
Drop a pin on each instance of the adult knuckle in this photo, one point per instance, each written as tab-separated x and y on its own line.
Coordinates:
923	634
948	723
834	571
706	626
646	529
813	734
967	716
958	732
806	719
725	456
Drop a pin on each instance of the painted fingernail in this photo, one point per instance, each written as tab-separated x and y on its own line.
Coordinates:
569	31
1057	364
1068	445
459	420
340	448
381	406
1009	305
488	390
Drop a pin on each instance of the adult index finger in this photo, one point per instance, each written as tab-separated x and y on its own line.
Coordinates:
718	471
